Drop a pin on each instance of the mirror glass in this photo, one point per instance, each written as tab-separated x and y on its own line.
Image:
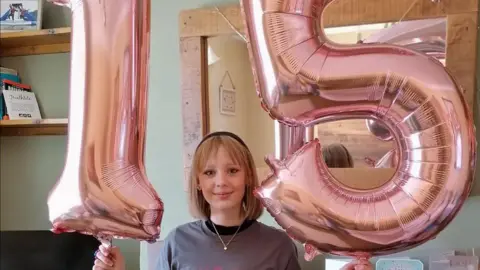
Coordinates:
233	105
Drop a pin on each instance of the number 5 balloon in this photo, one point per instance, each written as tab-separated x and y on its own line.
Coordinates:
103	189
303	79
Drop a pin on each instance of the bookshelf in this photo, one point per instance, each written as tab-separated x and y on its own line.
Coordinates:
33	127
45	41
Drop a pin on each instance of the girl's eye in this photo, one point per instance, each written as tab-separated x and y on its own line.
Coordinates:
209	173
233	171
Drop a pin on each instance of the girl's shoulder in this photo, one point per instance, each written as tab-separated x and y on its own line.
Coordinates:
273	231
277	239
275	235
185	230
177	242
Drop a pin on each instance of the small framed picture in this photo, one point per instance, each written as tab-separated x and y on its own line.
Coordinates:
227	101
20	15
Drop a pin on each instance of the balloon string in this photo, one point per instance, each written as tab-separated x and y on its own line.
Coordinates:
105	240
231	24
408	10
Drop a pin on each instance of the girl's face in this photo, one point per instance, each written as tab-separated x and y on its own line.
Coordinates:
222	182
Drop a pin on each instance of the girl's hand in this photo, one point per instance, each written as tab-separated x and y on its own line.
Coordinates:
358	265
109	259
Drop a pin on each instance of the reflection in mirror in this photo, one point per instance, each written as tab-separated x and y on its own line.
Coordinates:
233	105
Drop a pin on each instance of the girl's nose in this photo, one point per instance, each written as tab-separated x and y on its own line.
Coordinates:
221	178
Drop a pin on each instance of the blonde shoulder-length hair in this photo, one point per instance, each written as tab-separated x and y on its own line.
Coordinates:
239	154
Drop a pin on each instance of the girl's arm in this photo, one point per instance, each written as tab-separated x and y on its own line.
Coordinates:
166	254
293	263
165	257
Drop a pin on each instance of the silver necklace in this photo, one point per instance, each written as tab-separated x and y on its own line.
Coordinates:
225	246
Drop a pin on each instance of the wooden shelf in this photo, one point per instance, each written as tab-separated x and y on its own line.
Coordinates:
33	127
45	41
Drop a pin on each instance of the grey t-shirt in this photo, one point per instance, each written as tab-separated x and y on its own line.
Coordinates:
193	246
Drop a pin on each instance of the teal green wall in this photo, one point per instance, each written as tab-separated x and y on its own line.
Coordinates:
23	193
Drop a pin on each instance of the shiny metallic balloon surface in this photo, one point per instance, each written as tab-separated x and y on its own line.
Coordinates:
303	79
104	190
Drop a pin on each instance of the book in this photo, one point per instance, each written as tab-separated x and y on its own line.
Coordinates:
8	74
15	86
19	102
8	71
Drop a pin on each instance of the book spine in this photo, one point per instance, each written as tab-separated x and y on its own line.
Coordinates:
15	86
11	75
8	71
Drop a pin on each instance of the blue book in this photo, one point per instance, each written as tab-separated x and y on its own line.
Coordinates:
10	77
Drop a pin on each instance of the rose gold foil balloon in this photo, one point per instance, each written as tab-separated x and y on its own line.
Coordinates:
304	79
426	36
378	130
103	189
291	139
389	160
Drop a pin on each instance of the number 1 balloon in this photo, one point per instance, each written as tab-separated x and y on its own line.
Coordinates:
104	190
303	79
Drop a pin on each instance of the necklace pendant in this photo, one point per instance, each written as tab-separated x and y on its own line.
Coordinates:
224	248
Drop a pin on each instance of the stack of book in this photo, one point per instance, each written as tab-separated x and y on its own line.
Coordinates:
17	101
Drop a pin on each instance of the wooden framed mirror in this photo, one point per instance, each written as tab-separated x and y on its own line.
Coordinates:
218	92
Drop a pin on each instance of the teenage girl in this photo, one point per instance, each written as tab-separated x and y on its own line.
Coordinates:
227	234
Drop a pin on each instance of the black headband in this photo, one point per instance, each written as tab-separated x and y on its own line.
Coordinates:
223	133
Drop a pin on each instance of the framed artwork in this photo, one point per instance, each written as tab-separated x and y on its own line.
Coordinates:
20	15
227	101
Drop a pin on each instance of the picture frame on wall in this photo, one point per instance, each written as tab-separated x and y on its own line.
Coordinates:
20	15
227	96
228	101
